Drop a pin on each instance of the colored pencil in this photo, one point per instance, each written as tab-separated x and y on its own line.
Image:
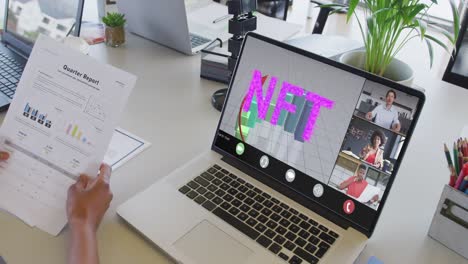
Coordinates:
465	148
460	160
447	155
453	180
455	158
461	175
463	185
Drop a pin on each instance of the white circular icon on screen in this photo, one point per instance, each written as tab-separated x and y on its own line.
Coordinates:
290	175
264	161
318	190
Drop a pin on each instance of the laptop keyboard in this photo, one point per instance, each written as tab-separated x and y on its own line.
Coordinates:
10	73
197	40
284	231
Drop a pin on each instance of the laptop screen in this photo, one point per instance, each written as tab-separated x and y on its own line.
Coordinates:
28	18
328	134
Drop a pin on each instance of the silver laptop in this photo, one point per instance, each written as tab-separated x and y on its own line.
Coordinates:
295	174
165	22
24	20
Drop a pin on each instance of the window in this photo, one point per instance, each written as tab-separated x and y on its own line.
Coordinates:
43	31
61	27
45	20
442	9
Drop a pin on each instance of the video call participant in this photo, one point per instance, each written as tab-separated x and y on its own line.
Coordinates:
372	153
356	185
386	115
87	202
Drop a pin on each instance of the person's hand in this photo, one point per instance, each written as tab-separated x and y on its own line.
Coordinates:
4	155
369	116
89	199
364	152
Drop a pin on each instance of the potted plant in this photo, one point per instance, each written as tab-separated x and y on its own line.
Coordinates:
115	33
389	25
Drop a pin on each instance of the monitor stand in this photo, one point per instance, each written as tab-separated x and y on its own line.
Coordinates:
218	98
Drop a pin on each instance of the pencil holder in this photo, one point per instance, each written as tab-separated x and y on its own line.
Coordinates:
450	223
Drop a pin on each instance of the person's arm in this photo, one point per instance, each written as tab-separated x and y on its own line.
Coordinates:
372	113
396	126
88	200
83	245
346	183
379	159
364	152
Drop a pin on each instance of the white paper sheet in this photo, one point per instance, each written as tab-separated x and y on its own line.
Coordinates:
201	22
368	193
58	126
123	147
276	28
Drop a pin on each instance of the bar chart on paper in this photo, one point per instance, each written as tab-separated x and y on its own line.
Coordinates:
75	132
35	115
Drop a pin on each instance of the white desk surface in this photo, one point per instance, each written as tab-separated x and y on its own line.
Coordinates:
170	107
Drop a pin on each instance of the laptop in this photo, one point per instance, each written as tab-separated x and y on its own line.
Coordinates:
24	20
277	185
165	22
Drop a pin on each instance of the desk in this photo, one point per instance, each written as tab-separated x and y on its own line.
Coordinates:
170	107
348	162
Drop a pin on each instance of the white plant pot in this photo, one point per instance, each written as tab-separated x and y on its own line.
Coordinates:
397	71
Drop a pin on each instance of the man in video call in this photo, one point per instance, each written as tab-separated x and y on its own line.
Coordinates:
386	115
357	184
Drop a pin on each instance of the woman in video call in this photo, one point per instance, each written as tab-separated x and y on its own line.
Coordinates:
372	152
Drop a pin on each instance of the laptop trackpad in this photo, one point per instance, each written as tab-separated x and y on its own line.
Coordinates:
207	244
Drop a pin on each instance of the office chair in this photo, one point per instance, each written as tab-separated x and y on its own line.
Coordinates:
274	8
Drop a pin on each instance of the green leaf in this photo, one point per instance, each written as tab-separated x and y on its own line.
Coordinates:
438	42
336	11
456	20
384	10
422	26
414	12
431	52
336	8
351	7
443	32
114	20
371	24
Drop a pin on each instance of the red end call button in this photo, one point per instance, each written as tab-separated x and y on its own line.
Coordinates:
348	207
